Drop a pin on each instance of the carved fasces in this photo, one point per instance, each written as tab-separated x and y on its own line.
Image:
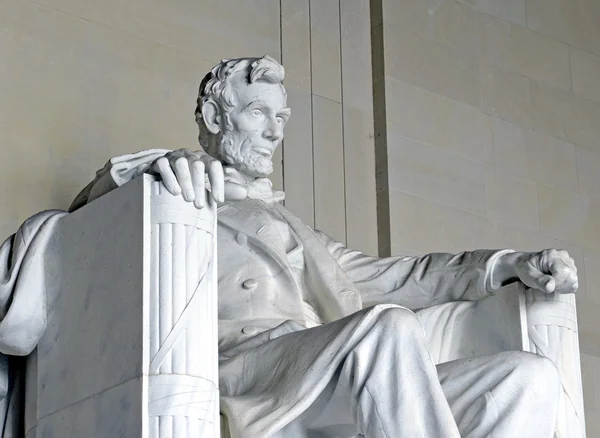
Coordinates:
183	395
552	330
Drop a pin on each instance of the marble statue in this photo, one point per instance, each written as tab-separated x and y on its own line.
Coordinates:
316	339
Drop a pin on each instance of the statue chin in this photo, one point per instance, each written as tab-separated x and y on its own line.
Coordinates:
254	168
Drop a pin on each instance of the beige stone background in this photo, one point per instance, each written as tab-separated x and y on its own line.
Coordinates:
488	136
84	80
487	116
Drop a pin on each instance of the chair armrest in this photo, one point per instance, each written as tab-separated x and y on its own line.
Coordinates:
463	329
183	393
515	319
132	320
552	332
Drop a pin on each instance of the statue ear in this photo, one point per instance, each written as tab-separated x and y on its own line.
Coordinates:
211	115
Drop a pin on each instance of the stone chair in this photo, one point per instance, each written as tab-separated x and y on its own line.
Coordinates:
131	344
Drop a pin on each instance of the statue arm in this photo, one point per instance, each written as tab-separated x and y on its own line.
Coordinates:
417	282
117	171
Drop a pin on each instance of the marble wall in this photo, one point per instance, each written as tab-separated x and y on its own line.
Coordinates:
488	136
85	80
328	151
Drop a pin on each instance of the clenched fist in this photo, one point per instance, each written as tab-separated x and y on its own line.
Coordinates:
550	270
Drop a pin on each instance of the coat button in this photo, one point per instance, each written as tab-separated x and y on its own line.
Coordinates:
249	284
241	238
250	330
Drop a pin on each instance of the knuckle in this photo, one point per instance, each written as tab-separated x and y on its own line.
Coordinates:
181	162
215	165
198	165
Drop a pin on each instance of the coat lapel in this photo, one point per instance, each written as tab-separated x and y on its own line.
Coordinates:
334	294
255	223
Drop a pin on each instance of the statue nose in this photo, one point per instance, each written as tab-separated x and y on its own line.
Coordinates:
274	132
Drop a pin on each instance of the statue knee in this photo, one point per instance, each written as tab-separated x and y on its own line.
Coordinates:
539	371
400	322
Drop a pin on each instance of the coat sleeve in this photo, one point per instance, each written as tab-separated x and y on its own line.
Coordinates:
117	171
418	282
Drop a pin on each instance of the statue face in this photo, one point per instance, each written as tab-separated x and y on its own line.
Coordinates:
254	128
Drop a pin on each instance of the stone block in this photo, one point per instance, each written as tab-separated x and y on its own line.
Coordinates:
567	116
574	22
568	216
585	72
325	49
330	202
432	66
512	201
510	10
534	156
435	174
588	167
506	95
527	53
439	121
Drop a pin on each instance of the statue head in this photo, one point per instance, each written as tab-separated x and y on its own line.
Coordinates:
241	112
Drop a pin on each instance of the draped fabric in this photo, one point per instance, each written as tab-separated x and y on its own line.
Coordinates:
22	311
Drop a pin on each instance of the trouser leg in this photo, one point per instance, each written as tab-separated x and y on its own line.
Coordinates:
387	387
512	394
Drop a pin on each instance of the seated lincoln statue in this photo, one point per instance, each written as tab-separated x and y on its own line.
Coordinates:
319	340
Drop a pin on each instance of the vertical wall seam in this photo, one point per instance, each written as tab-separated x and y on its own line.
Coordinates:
282	63
312	113
343	130
570	68
384	242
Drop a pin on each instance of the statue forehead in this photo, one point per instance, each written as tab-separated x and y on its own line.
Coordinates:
258	91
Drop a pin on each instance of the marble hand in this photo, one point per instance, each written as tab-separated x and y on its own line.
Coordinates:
550	270
183	173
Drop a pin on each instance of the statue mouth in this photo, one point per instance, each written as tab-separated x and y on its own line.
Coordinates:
263	151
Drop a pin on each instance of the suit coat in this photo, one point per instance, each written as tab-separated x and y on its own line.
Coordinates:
258	289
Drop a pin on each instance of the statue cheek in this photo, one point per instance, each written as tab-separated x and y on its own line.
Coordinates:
243	122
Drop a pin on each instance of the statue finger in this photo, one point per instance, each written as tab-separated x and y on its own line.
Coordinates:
536	279
217	180
560	271
182	171
168	177
569	261
570	284
198	182
568	289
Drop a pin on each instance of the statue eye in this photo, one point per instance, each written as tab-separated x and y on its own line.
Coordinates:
280	120
256	113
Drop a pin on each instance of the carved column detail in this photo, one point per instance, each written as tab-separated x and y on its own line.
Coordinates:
552	328
183	395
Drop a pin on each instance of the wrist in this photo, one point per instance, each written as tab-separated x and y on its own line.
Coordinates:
505	272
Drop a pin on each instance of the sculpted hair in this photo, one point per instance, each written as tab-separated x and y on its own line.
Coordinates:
215	86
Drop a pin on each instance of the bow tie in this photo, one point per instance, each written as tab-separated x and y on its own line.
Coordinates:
238	188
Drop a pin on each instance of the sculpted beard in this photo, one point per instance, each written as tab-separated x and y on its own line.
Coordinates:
249	164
